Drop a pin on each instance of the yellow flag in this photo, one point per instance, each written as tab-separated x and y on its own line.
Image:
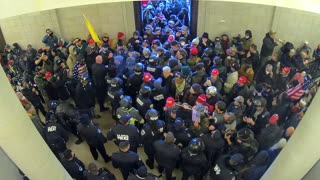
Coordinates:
91	30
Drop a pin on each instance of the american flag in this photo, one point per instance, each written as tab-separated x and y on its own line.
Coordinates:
296	92
79	70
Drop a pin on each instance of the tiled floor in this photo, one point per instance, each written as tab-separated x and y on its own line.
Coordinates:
83	153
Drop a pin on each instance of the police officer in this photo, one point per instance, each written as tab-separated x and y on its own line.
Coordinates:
153	130
158	96
167	154
227	167
182	134
143	102
153	68
69	117
99	71
126	160
194	161
73	165
52	109
245	143
127	108
55	136
94	137
125	132
134	82
115	94
142	173
85	95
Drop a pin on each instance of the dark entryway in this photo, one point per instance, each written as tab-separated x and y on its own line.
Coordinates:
166	14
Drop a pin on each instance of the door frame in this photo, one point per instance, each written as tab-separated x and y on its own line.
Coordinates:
193	17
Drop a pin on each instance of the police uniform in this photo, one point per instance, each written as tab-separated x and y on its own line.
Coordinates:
221	172
133	85
85	96
115	94
126	161
143	104
93	136
167	156
69	117
158	97
125	132
56	137
74	167
136	118
99	72
151	131
194	161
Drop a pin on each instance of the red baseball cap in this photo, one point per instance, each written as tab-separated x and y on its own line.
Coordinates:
169	102
194	51
242	80
147	77
215	72
90	41
273	119
10	62
171	38
201	98
286	70
48	75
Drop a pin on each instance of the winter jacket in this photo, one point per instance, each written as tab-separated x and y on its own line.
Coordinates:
71	61
246	43
231	80
267	46
51	41
269	136
249	74
199	77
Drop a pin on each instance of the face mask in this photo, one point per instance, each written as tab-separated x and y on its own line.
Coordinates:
247	37
267	72
182	43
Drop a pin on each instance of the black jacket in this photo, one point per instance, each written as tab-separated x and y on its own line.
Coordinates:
166	155
151	132
126	162
99	72
267	46
74	167
85	96
55	136
194	164
91	134
31	96
125	133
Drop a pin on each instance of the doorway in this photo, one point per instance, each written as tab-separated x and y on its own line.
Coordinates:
166	14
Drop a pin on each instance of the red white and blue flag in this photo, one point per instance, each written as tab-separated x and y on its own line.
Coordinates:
297	92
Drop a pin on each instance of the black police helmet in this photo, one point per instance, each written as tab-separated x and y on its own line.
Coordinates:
145	90
196	146
245	134
53	118
152	115
153	59
138	68
53	105
126	102
116	82
124	118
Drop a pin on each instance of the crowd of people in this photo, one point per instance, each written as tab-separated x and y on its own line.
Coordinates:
211	108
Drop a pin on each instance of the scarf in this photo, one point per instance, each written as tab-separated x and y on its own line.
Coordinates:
180	88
